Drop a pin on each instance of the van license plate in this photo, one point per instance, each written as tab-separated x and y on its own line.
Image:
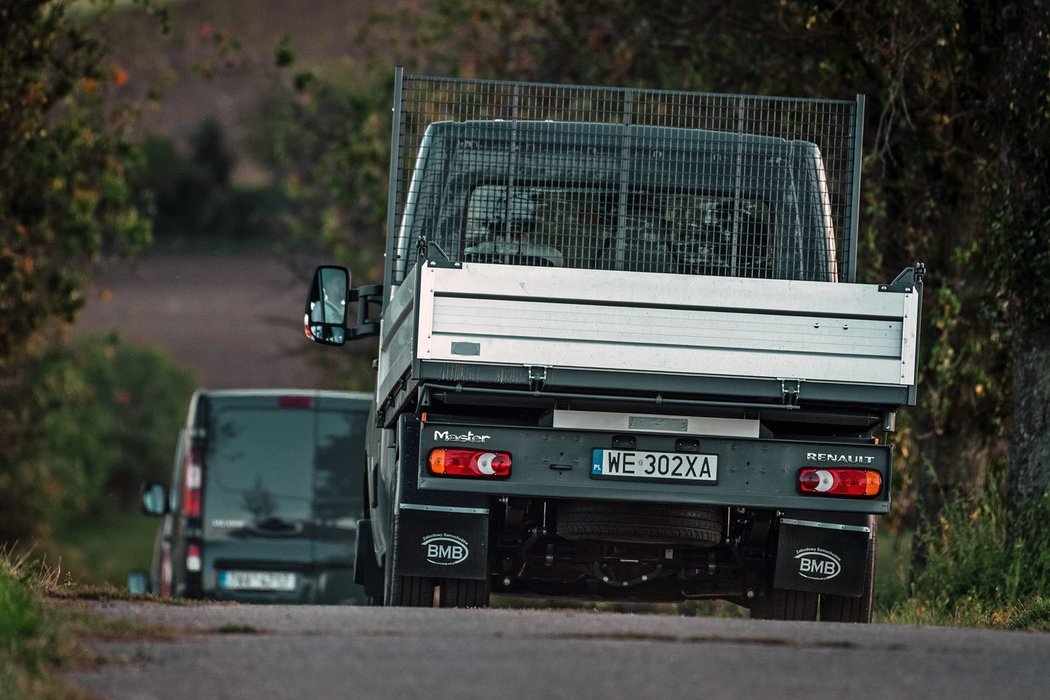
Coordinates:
674	466
257	580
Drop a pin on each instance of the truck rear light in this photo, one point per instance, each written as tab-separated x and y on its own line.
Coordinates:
290	401
164	585
840	482
191	483
460	462
193	558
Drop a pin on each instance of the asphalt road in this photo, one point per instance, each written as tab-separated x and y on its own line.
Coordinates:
237	651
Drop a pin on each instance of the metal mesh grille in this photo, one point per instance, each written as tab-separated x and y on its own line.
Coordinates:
624	179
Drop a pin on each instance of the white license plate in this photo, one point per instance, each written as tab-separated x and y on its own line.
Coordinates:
675	466
257	580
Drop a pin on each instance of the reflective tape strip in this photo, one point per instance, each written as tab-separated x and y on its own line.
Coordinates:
444	509
827	526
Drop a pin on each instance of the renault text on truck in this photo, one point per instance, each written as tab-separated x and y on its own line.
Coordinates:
623	353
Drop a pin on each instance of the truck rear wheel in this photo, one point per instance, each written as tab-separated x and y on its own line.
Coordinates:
463	593
841	608
404	591
640	522
783	604
411	592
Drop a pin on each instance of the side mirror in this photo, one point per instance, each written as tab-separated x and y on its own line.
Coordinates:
154	499
324	320
138	582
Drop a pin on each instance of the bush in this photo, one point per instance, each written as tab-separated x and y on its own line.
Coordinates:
20	621
196	205
20	614
97	417
28	644
983	564
120	423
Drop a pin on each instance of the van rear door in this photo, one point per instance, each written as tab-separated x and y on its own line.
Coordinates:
280	499
339	464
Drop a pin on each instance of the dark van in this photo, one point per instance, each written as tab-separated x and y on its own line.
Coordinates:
264	499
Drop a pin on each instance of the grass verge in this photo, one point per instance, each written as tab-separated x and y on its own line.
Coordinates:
101	550
985	566
41	629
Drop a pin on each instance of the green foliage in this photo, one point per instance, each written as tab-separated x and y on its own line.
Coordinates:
20	621
118	422
196	205
65	197
891	569
982	561
283	53
29	643
100	549
1033	616
20	614
102	416
1017	124
38	640
330	147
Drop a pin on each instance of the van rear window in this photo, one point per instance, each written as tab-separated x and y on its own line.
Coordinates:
270	467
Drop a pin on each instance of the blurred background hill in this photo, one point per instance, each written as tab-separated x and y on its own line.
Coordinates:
218	291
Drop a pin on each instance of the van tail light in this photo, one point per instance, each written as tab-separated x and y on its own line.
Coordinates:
164	585
464	462
193	557
295	401
840	482
192	476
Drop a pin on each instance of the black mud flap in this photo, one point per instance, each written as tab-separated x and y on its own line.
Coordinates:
822	557
366	569
444	542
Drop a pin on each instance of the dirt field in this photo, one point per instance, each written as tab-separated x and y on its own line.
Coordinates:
235	320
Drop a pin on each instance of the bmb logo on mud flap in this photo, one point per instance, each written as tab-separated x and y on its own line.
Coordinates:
818	564
445	549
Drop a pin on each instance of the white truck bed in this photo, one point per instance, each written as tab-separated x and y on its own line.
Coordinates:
514	316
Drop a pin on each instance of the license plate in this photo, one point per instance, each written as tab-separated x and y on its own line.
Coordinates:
257	580
660	466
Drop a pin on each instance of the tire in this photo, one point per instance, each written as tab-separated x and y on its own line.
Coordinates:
640	522
367	573
410	592
404	591
841	608
782	604
463	593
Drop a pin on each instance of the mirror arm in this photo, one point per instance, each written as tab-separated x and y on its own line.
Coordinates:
365	296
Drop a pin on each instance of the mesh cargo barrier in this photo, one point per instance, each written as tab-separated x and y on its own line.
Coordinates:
624	179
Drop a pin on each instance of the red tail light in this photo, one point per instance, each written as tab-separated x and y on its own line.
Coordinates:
193	557
295	401
192	477
840	482
165	572
460	462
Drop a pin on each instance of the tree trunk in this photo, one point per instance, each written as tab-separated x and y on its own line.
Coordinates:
1029	475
